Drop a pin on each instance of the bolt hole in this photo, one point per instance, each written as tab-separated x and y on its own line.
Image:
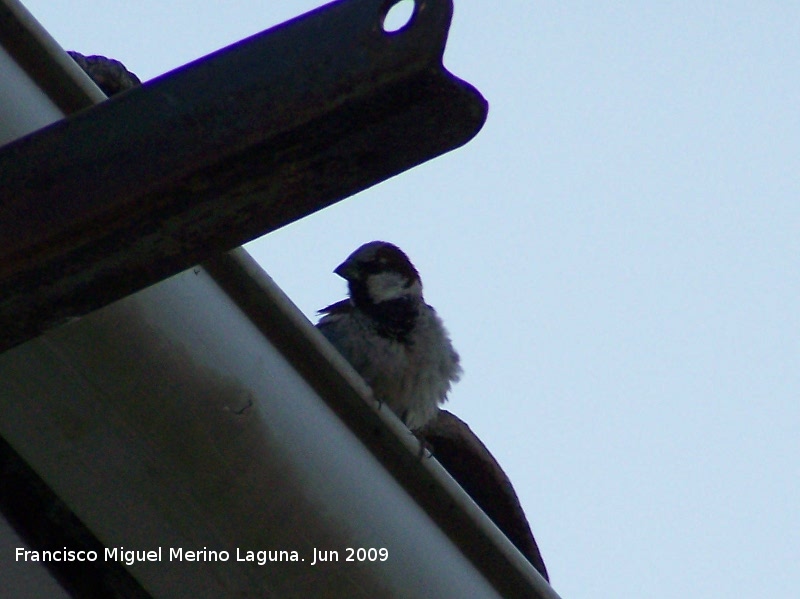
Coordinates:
398	16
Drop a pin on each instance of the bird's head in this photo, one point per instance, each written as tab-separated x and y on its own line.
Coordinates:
378	272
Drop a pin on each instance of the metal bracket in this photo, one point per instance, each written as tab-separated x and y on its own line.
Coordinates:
220	151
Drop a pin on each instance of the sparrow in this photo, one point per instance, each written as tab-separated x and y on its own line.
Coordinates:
391	337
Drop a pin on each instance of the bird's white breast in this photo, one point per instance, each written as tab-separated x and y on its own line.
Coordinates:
412	377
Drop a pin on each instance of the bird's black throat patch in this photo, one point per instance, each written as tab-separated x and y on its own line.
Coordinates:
394	319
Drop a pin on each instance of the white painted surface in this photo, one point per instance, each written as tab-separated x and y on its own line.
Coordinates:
167	420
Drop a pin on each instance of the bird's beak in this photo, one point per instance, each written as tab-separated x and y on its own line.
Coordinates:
347	270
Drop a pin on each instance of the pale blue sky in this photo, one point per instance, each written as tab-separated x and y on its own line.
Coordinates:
615	256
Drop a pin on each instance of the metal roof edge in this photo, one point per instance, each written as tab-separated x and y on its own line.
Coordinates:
45	60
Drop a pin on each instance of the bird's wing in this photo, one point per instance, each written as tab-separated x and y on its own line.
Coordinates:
341	307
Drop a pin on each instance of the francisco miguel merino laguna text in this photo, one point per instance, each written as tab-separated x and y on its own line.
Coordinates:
131	556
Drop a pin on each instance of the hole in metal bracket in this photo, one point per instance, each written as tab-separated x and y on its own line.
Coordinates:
398	16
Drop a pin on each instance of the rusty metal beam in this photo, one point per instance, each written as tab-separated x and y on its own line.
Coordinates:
221	151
